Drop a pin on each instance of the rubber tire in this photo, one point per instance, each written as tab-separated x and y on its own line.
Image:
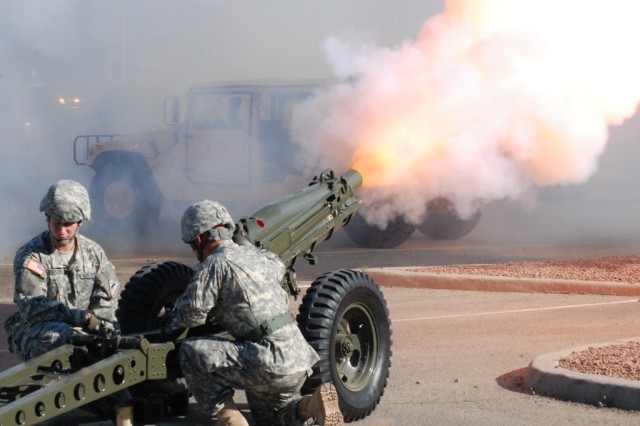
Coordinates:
150	294
443	223
335	300
369	236
129	185
144	302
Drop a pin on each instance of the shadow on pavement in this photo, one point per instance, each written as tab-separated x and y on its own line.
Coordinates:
514	381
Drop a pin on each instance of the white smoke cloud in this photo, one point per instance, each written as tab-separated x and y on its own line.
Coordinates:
493	98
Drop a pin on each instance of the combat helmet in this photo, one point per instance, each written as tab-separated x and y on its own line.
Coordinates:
66	201
204	216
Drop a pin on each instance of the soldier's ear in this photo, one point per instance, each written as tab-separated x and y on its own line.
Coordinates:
195	244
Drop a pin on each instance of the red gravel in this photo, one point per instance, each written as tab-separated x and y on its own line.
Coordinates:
621	361
613	269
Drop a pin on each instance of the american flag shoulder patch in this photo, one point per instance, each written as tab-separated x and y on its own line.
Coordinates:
35	267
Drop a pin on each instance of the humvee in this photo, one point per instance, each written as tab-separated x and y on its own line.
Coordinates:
231	143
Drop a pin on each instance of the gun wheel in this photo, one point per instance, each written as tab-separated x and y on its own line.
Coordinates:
145	303
150	294
344	317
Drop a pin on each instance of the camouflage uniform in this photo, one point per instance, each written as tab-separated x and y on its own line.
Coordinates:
53	290
52	297
239	287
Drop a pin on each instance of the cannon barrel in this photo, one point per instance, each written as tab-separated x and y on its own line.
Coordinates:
293	225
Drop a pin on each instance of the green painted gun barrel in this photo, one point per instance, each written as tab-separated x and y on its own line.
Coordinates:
293	225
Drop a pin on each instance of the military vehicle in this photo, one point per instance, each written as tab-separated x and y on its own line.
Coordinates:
231	144
343	315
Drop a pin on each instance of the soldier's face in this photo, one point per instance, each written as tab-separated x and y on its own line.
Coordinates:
63	232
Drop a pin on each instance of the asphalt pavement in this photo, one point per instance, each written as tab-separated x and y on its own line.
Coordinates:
543	376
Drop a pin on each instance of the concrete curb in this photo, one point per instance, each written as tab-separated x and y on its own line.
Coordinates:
547	379
409	277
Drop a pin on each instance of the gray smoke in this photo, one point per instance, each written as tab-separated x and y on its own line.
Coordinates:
120	58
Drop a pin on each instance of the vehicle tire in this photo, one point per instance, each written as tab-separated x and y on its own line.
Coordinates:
443	223
125	200
145	304
150	295
370	236
344	317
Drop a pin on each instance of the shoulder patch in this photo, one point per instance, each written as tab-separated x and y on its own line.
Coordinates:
35	267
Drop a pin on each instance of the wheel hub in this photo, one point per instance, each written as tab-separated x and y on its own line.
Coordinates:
346	347
119	200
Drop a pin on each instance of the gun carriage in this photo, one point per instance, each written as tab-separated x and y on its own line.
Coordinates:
343	315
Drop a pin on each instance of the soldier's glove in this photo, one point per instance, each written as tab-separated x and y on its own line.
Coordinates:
97	326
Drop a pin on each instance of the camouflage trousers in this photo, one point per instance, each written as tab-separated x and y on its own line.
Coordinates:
214	366
31	340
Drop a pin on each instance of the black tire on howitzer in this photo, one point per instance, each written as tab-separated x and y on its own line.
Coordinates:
145	302
344	316
150	294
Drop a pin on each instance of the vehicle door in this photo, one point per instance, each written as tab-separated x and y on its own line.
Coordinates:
218	138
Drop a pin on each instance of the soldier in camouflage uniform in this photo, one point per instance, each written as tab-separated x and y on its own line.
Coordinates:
238	286
64	283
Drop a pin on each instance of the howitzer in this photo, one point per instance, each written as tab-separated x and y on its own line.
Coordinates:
343	315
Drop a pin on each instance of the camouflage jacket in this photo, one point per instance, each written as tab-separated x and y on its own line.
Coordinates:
239	287
47	288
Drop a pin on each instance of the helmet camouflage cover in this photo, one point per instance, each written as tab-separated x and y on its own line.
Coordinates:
66	201
203	216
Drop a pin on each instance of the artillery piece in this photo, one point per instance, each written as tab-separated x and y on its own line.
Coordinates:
343	315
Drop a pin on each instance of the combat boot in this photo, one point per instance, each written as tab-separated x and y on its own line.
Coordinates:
229	415
322	406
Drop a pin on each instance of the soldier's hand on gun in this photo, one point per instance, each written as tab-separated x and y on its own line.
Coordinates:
98	326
